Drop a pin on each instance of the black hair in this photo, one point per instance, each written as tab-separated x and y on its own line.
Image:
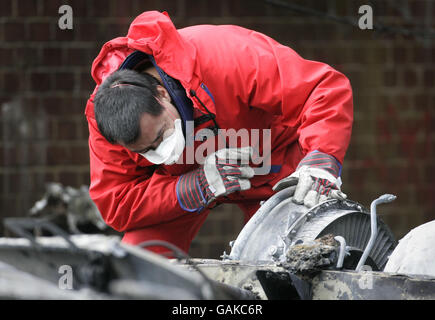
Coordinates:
120	102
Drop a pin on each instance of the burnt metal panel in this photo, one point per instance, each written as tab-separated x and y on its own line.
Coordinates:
367	285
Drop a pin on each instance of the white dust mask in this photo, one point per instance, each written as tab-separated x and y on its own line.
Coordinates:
170	149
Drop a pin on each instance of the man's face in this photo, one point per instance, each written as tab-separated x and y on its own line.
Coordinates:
155	128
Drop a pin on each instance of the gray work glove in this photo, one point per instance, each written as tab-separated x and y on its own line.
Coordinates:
223	172
316	179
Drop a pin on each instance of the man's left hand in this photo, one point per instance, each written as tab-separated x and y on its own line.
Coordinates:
316	179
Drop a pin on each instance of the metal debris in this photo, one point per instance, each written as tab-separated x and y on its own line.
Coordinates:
69	208
312	256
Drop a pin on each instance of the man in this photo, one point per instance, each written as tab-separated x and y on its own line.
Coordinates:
155	82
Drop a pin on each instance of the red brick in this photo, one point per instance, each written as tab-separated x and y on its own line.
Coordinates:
84	129
422	55
9	205
85	179
10	156
64	81
390	78
25	57
343	8
39	182
13	183
14	31
95	50
27	8
420	101
360	55
380	55
49	176
53	105
100	8
67	130
31	105
113	30
123	8
425	192
380	8
201	8
212	9
6	56
79	7
428	78
88	31
69	178
325	32
80	155
57	155
12	82
39	31
355	78
35	155
51	7
86	82
169	6
5	8
239	8
52	56
429	173
410	78
76	105
403	101
2	185
78	57
322	5
51	129
400	55
40	81
65	35
425	148
418	8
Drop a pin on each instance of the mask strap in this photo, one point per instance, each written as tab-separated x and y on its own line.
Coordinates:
171	114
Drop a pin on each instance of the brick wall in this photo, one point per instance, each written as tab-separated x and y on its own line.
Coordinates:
45	81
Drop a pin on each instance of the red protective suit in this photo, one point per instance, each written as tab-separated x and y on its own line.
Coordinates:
247	80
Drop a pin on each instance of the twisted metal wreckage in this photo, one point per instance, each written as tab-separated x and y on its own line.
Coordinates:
335	250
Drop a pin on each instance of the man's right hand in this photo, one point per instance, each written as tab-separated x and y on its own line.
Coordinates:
223	172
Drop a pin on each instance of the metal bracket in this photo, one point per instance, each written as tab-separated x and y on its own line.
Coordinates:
386	198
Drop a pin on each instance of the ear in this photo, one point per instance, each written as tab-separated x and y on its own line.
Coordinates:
163	93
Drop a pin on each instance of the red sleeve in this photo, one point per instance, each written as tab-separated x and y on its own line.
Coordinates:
128	195
307	95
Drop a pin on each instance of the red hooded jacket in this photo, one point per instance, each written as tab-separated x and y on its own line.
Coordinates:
247	80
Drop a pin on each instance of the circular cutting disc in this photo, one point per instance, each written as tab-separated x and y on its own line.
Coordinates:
280	223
